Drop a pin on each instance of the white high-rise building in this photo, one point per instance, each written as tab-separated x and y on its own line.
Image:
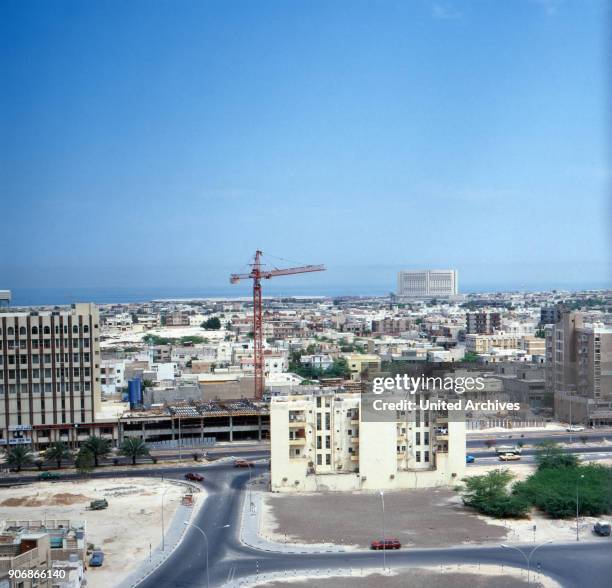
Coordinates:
427	283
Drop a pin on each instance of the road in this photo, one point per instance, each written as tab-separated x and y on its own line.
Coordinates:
569	564
534	437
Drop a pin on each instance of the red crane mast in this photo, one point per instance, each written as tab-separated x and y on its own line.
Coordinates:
257	274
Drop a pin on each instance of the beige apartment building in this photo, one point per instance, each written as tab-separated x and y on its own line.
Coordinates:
485	343
319	441
49	375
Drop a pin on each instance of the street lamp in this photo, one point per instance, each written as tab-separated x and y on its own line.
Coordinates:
527	557
188	524
250	489
577	509
384	542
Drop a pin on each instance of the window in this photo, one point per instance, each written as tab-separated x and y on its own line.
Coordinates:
327	442
22	330
426	436
328	459
10	331
426	456
46	330
319	444
75	329
327	422
319	459
418	456
418	438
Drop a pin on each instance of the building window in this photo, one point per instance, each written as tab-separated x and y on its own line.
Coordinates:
418	456
426	456
319	459
328	459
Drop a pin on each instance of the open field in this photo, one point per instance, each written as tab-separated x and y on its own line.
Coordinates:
123	531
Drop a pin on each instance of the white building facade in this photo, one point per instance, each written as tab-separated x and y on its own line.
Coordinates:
427	283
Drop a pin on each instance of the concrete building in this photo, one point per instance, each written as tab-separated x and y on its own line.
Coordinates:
49	374
427	283
484	343
579	369
483	323
320	442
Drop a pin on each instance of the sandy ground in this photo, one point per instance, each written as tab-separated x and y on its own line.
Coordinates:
420	518
425	518
449	577
123	531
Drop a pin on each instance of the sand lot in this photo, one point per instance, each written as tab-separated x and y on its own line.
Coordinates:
123	531
424	518
450	577
433	517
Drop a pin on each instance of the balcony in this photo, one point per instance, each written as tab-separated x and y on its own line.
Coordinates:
297	440
297	423
354	457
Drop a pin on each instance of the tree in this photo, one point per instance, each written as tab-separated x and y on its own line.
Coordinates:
134	448
211	324
470	357
18	456
58	452
551	455
98	447
489	495
84	461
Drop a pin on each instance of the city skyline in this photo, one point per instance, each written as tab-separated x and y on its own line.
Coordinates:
162	151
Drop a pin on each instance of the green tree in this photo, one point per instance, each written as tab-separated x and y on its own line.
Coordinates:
98	447
211	324
470	357
18	457
58	452
489	495
551	455
134	448
84	461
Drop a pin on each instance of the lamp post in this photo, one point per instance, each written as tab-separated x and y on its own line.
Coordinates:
527	557
384	542
577	508
188	524
250	490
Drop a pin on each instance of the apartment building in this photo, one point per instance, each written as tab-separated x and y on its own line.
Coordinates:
484	343
21	549
483	323
320	442
427	283
579	369
49	375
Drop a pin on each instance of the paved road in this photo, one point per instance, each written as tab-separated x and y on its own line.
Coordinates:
527	451
478	439
220	519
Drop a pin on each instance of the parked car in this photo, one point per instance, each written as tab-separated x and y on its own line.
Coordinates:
242	463
574	429
96	559
98	504
509	457
194	477
470	459
49	476
386	544
602	528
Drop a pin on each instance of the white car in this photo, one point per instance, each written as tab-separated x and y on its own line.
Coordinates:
574	429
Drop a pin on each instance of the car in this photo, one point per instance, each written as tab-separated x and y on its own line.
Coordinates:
96	559
386	544
242	463
194	477
49	476
509	457
574	429
470	459
602	528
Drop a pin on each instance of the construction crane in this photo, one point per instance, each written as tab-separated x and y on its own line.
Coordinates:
257	274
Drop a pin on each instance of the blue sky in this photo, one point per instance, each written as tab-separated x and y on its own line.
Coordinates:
158	144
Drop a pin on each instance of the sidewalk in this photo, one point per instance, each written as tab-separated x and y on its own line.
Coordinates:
174	534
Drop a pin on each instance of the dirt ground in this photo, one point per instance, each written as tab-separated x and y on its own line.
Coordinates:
123	531
425	518
421	578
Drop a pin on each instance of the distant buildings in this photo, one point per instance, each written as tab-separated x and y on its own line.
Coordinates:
483	323
427	284
320	442
49	374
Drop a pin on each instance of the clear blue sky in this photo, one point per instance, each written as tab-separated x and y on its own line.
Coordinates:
159	143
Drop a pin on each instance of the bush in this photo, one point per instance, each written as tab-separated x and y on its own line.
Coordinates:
488	494
550	455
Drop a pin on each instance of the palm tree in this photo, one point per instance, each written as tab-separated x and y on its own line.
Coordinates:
58	452
98	447
84	461
18	457
134	448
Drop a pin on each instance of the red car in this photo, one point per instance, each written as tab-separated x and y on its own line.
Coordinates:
386	544
242	463
194	477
